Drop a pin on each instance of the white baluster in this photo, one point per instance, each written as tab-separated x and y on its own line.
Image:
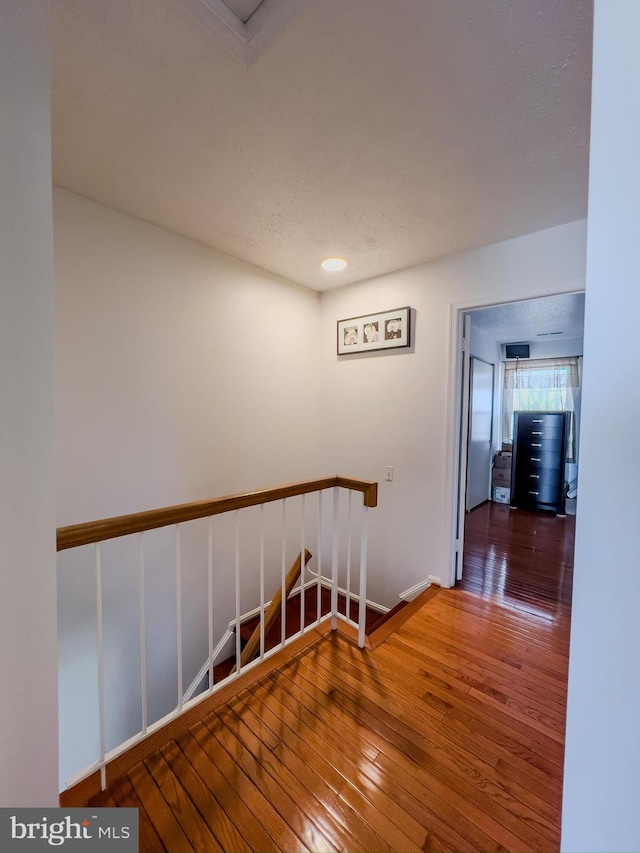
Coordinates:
347	611
237	575
283	617
178	569
100	627
143	635
319	551
210	599
262	608
302	563
334	560
364	539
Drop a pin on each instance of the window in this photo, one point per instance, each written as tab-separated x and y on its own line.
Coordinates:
540	385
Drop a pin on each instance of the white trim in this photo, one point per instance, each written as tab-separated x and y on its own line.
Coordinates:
372	605
251	614
454	470
267	22
325	582
228	634
221	21
256	611
245	41
414	591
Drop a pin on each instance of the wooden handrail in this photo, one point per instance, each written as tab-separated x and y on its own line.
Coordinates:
123	525
271	613
368	488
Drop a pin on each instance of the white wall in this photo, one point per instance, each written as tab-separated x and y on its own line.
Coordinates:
602	764
28	688
556	349
181	374
394	408
483	346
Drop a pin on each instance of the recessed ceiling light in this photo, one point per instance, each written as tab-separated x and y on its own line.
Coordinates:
333	264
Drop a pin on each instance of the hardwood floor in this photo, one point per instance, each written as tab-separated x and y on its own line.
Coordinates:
522	559
448	736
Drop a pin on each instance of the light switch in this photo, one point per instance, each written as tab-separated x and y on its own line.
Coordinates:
388	473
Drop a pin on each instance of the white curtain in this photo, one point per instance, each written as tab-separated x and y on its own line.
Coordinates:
541	385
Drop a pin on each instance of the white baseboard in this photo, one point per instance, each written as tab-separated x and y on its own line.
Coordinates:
222	649
326	582
414	591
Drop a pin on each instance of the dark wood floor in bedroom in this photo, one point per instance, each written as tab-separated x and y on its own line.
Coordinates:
524	559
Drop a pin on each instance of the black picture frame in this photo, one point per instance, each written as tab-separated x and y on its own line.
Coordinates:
372	332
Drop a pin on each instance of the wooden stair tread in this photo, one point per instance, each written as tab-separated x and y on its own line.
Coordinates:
292	611
378	626
310	610
385	617
275	612
397	616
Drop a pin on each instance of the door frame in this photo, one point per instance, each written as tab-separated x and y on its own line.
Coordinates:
457	424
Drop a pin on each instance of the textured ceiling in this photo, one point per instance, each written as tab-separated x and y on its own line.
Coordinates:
533	320
390	133
244	9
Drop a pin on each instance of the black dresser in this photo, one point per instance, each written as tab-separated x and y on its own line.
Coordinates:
539	452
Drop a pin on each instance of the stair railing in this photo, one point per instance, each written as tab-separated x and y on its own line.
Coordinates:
329	542
256	640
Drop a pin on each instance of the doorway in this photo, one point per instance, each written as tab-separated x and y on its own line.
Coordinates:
552	326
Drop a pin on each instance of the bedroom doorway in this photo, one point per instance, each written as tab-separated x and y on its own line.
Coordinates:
552	327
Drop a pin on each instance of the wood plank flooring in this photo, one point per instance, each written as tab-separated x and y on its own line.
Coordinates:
448	736
521	559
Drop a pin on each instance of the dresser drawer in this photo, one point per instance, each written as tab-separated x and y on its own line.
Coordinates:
541	420
542	434
535	458
539	496
536	444
541	478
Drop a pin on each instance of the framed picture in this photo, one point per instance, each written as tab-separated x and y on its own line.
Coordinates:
385	330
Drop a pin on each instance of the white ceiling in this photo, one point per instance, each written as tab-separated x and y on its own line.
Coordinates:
245	27
243	9
533	320
390	133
